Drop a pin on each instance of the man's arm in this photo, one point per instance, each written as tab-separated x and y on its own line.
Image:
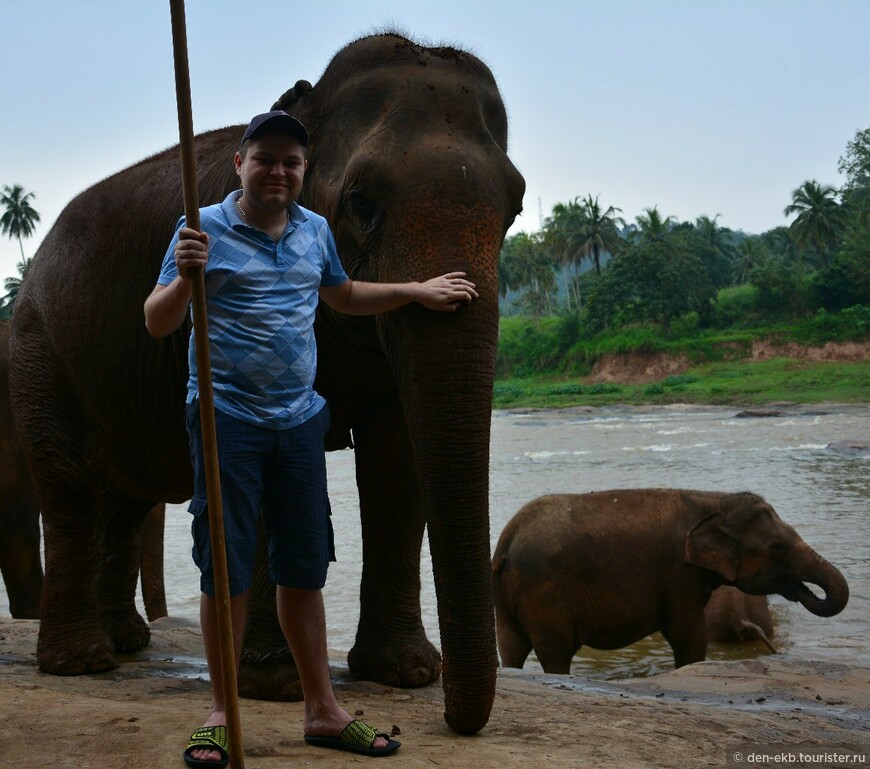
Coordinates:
166	306
444	293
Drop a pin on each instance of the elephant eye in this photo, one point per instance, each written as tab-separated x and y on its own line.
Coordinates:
368	213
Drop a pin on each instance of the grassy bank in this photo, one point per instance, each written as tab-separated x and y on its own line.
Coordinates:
546	362
733	383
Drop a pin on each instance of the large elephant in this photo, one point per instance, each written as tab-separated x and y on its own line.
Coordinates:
608	568
20	559
408	161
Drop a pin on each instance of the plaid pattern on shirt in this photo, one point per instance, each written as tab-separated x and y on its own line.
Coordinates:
261	298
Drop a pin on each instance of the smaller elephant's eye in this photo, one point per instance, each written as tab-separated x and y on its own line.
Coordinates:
368	212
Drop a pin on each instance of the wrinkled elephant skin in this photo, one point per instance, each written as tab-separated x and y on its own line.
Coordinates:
20	559
608	568
408	162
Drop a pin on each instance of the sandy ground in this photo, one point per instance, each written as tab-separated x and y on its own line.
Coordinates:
140	714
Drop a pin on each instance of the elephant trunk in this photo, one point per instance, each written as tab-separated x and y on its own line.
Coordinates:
811	567
450	375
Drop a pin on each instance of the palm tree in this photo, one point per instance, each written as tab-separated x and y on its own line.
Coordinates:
715	237
598	230
19	218
717	251
577	230
12	285
651	226
819	217
751	253
563	234
525	262
781	240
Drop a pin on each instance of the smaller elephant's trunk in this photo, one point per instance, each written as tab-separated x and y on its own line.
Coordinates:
812	568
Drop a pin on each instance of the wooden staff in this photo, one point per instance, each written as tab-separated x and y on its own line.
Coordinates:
206	398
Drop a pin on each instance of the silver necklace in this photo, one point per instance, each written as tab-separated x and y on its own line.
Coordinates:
239	206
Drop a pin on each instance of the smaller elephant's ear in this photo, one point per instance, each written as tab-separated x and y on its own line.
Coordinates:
710	547
289	98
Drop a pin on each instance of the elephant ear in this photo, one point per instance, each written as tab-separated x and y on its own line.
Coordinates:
709	546
289	98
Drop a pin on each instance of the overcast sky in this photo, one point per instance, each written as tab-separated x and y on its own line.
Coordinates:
697	106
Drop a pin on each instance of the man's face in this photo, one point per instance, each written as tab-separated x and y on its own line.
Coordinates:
272	171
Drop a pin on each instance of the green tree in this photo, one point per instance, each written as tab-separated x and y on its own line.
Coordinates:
781	240
651	226
854	256
715	250
654	280
599	230
855	164
19	218
504	277
751	252
580	230
12	285
847	281
526	264
563	234
782	289
819	219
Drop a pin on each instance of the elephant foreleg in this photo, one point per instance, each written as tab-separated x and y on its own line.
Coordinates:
118	572
391	645
686	632
71	638
267	670
20	559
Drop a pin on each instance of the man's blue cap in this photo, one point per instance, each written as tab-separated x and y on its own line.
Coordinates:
276	121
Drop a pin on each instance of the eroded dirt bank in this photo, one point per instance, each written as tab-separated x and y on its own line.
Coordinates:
140	714
648	367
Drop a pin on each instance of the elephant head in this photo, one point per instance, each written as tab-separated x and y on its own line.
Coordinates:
408	162
748	545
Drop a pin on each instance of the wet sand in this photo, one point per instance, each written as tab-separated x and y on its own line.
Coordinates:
141	713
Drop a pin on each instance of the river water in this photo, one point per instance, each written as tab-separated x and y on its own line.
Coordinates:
821	489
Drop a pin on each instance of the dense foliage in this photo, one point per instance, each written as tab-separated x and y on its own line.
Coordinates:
553	362
588	263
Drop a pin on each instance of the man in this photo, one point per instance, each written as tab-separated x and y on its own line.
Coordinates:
267	260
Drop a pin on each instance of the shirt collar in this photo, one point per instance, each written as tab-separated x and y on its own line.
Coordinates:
296	214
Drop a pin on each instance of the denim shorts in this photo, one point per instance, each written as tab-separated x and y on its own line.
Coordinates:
279	473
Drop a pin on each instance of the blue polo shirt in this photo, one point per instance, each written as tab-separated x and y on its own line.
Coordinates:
261	298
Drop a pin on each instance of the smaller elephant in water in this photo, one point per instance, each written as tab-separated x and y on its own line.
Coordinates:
732	616
606	569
